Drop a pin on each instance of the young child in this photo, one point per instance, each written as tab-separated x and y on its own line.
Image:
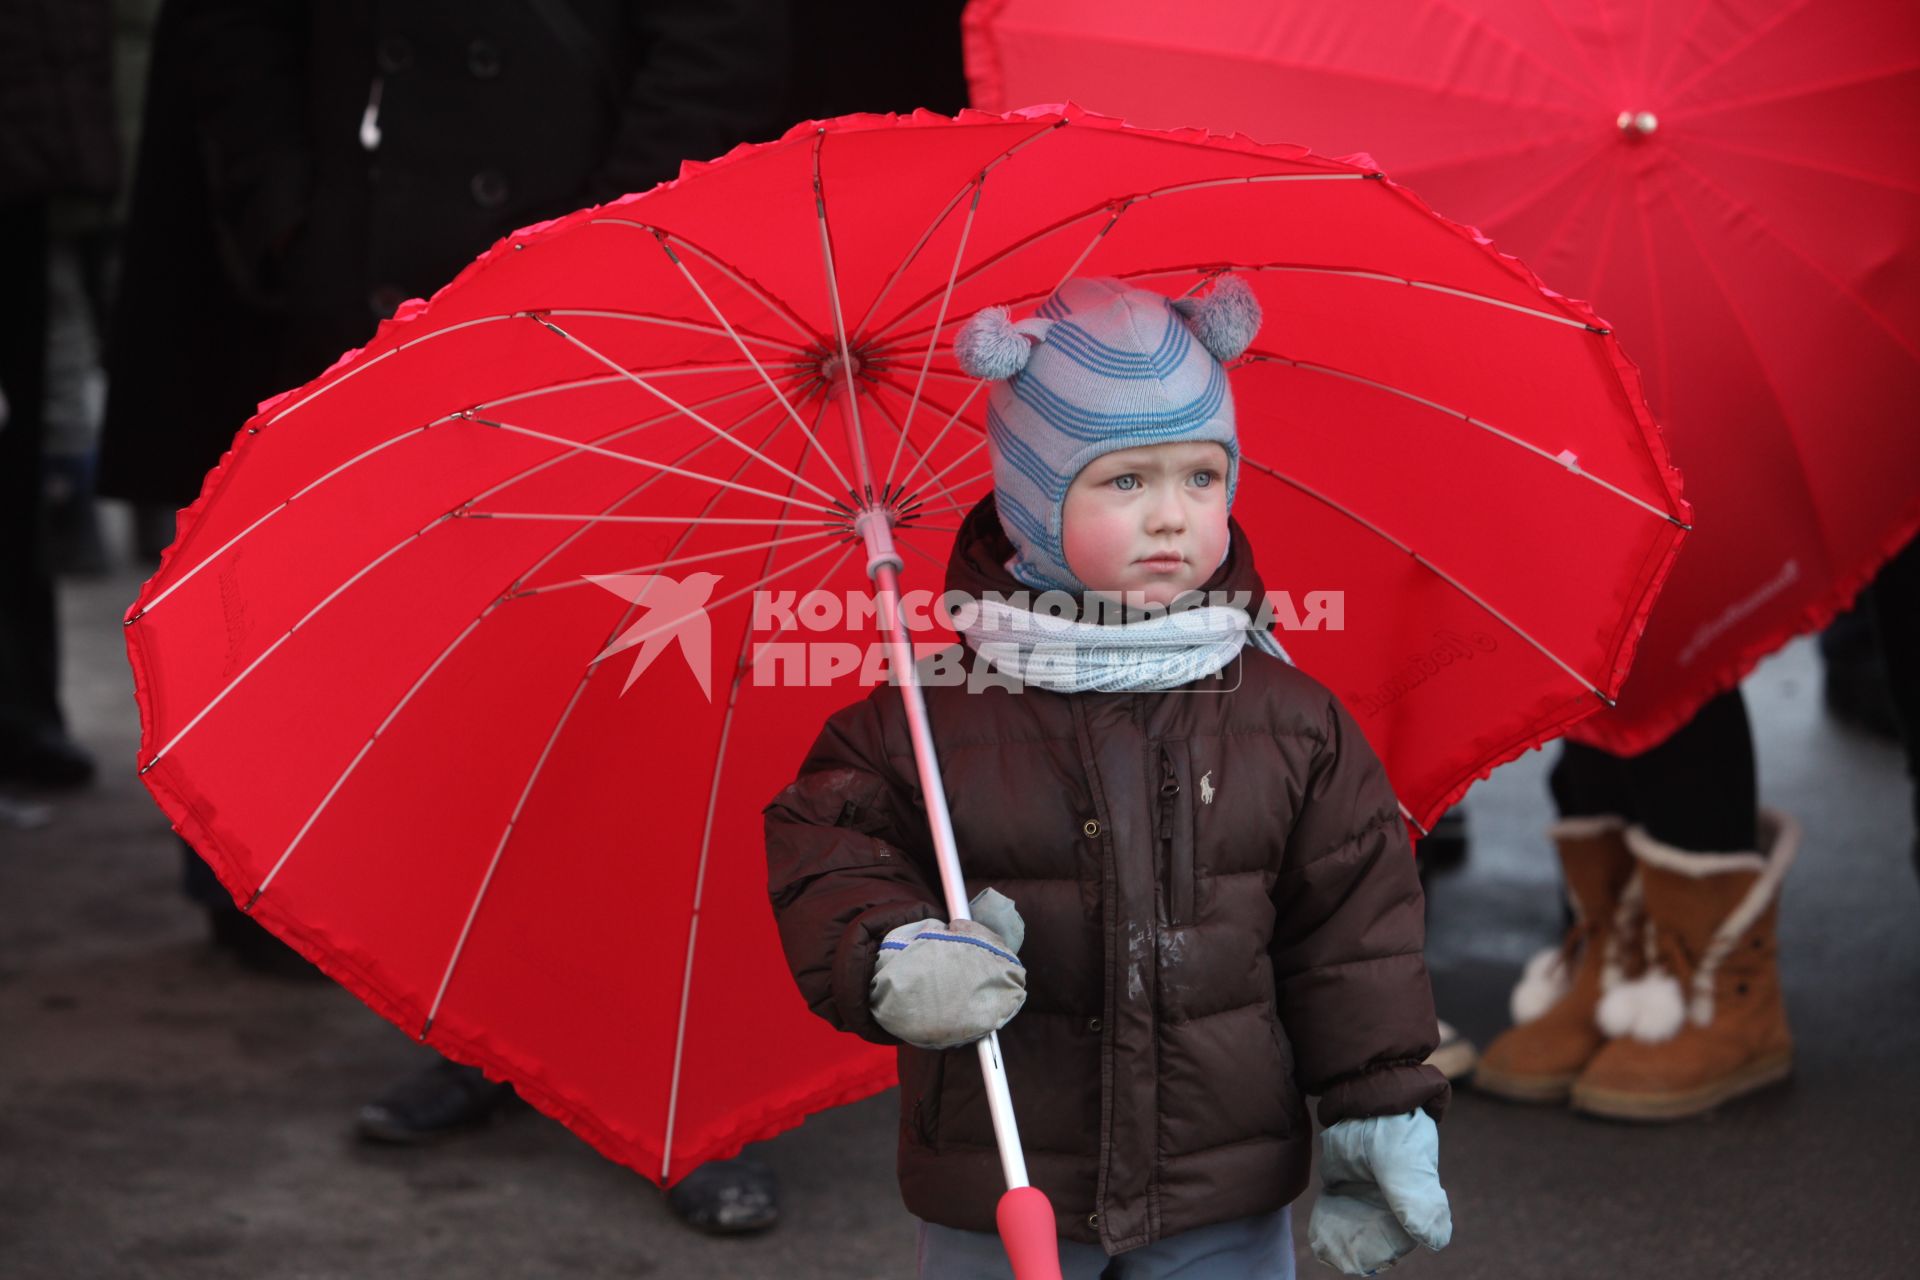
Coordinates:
1196	892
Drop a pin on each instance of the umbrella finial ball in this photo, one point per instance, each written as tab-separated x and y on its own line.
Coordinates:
1637	124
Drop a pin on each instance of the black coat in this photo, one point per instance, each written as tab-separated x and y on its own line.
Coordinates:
310	164
56	102
1222	915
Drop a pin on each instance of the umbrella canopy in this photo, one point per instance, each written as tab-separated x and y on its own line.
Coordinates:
1732	185
479	655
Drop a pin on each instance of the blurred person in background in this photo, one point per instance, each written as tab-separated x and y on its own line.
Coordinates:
309	165
56	140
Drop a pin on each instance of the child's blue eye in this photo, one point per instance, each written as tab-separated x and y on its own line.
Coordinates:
1127	483
1204	478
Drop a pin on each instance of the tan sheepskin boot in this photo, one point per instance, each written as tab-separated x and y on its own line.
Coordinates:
1554	1035
1706	1022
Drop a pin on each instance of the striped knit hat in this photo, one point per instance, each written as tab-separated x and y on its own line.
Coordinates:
1101	367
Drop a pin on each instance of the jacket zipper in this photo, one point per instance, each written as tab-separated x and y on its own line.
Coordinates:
1169	799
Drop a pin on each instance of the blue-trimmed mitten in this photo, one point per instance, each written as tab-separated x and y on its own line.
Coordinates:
938	985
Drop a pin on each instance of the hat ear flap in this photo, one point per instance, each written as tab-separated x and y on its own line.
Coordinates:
992	346
1226	320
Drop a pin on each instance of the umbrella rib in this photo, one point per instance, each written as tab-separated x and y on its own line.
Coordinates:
953	203
361	367
1357	273
1803	162
665	322
533	776
1577	204
700	875
1112	208
393	712
938	478
861	463
772	386
836	535
1478	600
1753	36
1679	43
1608	224
1765	368
933	339
271	649
1405	171
1804	90
610	437
1591	90
1657	304
1607	37
1374	77
1570	465
228	545
899	426
972	449
1539	191
703	518
779	309
729	598
654	391
667	467
920	463
357	369
1767	229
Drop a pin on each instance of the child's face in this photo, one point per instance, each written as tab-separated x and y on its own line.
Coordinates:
1150	523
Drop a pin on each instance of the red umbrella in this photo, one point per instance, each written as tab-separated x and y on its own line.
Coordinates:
369	670
1734	186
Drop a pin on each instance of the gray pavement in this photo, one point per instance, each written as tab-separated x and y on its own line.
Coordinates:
164	1114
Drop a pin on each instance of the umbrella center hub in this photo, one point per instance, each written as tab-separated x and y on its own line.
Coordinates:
836	370
1636	126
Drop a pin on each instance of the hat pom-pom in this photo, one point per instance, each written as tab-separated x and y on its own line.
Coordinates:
992	346
1226	320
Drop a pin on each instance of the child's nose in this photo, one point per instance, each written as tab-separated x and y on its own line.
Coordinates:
1168	514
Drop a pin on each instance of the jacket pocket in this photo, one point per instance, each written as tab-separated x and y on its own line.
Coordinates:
1174	791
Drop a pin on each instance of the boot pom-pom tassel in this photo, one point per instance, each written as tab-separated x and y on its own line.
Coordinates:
1542	983
1650	1008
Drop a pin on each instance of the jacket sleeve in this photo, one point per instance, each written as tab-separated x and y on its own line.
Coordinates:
711	74
1348	939
248	79
847	861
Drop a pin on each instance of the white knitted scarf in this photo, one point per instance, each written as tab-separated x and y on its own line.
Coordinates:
1068	656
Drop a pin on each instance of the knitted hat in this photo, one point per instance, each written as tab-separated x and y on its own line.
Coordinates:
1101	367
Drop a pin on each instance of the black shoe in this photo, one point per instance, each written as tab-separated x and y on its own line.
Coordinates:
445	1099
727	1197
45	758
248	941
75	547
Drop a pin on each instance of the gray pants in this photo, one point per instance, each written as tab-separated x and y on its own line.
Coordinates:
1257	1248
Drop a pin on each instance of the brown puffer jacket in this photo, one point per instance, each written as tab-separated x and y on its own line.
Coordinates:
1222	912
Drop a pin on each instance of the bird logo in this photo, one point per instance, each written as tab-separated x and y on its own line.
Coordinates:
675	610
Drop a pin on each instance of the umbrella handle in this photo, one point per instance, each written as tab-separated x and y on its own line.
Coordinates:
1025	1216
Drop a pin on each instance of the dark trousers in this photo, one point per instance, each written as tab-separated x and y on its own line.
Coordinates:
29	643
1894	599
1695	791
